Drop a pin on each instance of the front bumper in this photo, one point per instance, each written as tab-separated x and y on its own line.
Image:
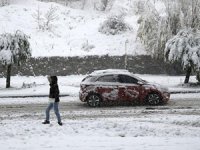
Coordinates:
82	96
166	97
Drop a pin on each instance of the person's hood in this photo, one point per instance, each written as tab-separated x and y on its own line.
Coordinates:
54	79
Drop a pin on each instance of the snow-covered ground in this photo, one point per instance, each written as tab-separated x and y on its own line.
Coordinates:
71	31
148	132
171	127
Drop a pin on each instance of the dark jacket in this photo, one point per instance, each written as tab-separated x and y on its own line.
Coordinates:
54	90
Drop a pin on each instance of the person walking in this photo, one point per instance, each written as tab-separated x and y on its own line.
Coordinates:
53	100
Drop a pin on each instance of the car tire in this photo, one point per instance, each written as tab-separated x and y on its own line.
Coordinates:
93	100
153	99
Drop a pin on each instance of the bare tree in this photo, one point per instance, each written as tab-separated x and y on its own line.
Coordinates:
50	17
38	18
45	22
83	3
104	4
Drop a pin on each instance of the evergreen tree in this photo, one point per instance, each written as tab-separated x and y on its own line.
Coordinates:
185	48
14	49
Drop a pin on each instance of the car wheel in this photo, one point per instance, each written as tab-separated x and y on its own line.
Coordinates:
153	99
93	100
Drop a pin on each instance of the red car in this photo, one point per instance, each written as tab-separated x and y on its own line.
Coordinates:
120	86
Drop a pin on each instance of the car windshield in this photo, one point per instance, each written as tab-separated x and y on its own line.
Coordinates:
138	78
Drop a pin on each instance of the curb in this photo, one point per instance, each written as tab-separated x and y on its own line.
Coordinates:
26	96
184	92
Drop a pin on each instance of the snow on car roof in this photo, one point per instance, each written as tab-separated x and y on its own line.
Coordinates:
113	71
110	71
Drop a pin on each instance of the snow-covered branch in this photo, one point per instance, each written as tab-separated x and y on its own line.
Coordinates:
45	22
14	48
185	48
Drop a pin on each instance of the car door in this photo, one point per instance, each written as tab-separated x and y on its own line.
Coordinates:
107	87
129	89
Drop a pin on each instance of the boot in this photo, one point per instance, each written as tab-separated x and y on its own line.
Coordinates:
46	122
60	123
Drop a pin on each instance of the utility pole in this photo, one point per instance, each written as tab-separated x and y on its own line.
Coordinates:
125	56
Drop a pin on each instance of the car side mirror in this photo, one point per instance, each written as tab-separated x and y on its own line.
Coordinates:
140	83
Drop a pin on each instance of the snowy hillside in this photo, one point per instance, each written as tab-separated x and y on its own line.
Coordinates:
72	32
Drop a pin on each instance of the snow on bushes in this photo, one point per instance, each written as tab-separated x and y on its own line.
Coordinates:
114	25
14	48
5	56
184	47
86	46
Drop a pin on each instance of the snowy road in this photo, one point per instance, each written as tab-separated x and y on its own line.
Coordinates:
173	126
69	104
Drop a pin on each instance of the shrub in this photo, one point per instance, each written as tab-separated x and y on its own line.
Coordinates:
114	25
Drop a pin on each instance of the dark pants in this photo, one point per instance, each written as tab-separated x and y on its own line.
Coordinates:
56	110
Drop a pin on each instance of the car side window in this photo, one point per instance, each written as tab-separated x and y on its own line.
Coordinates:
89	79
107	78
127	79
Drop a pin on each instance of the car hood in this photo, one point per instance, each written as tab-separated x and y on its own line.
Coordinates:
156	86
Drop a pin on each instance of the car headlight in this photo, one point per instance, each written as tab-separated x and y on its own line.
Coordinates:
161	88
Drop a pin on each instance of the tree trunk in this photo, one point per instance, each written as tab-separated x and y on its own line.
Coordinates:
83	4
8	76
198	77
105	3
188	72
